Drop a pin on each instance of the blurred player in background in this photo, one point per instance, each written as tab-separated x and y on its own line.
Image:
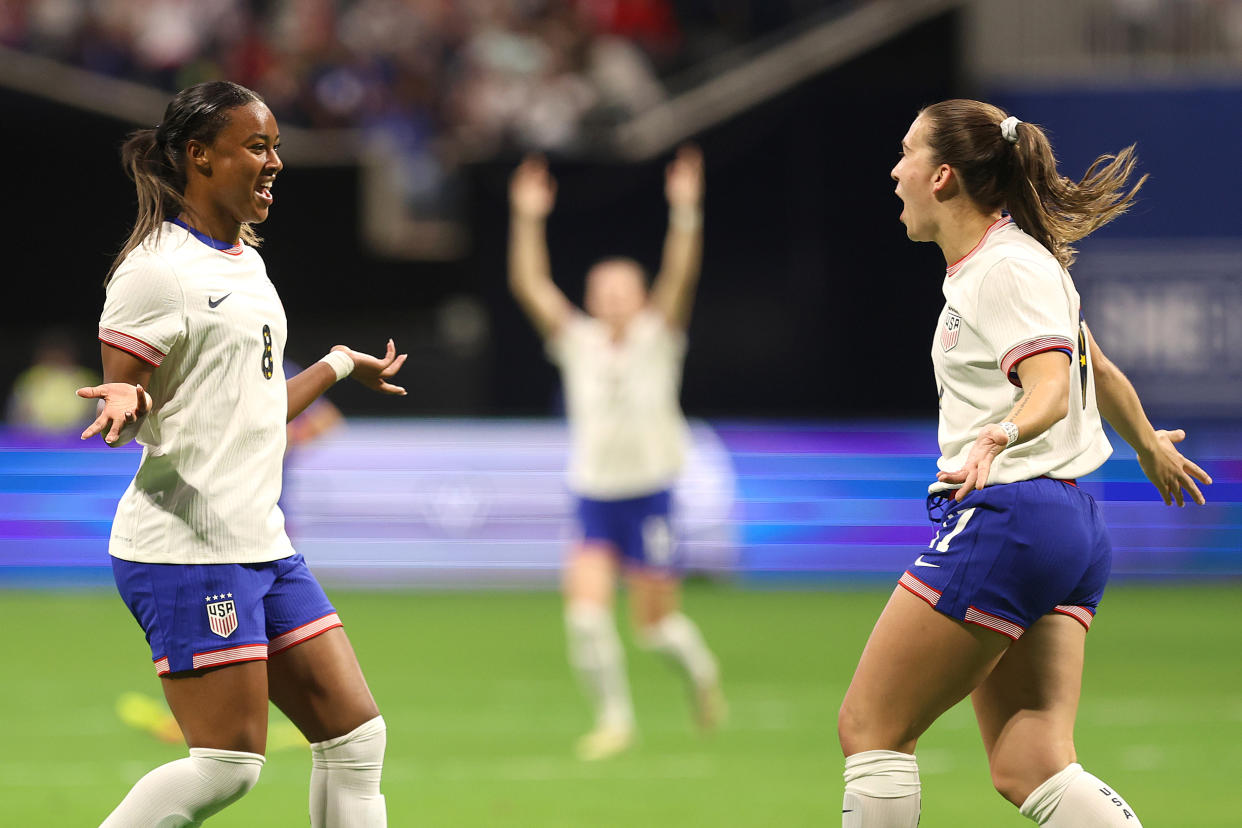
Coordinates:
193	335
621	364
998	606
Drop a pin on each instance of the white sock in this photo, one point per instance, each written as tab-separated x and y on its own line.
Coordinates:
595	652
187	791
345	778
882	790
677	637
1076	799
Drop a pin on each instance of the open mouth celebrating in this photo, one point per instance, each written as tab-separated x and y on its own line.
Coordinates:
264	190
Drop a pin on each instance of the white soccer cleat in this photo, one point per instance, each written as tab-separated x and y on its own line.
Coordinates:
604	741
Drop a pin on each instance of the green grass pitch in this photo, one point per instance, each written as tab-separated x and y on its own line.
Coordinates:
482	714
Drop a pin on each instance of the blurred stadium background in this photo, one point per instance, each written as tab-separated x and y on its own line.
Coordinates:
438	520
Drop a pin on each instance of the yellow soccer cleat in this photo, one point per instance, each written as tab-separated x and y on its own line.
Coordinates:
604	741
145	713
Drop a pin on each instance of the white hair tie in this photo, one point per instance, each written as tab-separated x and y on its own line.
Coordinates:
1009	129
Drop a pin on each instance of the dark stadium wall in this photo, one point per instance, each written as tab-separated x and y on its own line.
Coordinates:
813	303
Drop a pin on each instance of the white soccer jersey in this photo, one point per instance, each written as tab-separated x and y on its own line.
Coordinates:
1006	300
627	432
210	322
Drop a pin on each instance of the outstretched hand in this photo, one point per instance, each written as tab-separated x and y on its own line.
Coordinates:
123	404
532	189
973	475
374	372
1170	472
683	179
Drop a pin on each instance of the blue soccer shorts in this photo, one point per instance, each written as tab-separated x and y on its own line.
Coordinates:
208	615
1010	554
638	528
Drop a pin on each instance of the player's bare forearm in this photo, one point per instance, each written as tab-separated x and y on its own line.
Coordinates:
308	386
673	291
1044	402
1119	403
529	266
532	194
530	274
371	371
1045	395
121	366
123	399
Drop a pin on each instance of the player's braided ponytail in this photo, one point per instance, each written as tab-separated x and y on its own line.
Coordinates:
154	158
999	172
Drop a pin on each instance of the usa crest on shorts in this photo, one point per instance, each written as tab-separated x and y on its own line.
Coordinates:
950	330
222	614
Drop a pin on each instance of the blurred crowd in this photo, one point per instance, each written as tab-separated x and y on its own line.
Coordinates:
482	72
431	82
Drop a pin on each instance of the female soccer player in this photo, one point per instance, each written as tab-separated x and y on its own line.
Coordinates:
997	607
621	367
193	336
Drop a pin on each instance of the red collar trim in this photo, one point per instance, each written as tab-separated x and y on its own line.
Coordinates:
996	225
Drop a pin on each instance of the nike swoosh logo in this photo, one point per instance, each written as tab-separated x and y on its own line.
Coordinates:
921	562
212	303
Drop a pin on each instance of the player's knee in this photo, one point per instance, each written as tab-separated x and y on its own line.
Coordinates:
850	728
860	729
361	750
226	775
1012	786
1016	776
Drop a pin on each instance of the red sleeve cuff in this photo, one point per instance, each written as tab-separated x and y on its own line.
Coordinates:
132	345
1009	362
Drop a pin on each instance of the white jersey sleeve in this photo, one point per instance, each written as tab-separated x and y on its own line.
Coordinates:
144	312
1017	316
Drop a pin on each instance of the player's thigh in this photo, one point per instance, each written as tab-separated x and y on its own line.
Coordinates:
1027	705
319	685
590	574
917	664
653	595
223	708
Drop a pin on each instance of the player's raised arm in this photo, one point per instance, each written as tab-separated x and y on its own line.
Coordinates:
1163	464
532	192
672	294
123	397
